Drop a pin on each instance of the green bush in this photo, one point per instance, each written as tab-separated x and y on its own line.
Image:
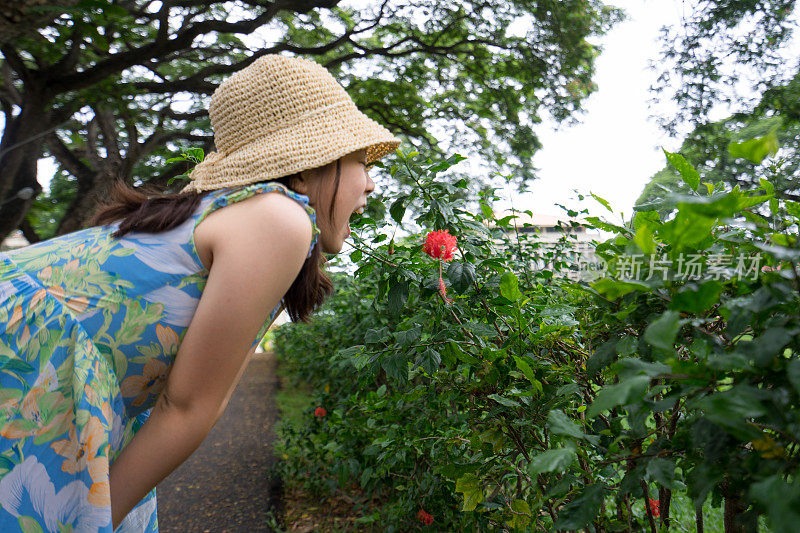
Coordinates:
534	402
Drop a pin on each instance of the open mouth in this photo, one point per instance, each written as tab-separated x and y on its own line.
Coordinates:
358	211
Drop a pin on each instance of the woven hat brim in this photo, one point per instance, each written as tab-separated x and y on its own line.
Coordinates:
312	142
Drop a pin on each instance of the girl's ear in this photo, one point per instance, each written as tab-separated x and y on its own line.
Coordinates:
300	182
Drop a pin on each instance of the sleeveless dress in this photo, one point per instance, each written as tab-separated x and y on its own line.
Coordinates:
89	329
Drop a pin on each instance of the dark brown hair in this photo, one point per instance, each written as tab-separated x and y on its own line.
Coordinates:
147	210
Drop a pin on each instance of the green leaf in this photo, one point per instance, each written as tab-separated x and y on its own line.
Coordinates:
780	499
793	373
644	239
603	201
481	329
407	337
622	393
556	460
793	208
522	514
398	209
633	366
561	425
525	368
175	178
356	354
627	345
470	487
769	345
696	300
687	229
662	471
613	289
733	410
755	150
461	355
689	174
431	360
396	367
374	336
509	286
701	480
502	400
582	509
397	297
602	356
662	332
461	275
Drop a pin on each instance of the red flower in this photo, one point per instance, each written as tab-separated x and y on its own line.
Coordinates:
424	517
319	412
440	245
654	507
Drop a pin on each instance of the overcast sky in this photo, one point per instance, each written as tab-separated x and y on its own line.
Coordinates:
616	147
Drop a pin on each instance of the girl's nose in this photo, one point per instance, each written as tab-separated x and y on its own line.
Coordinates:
370	185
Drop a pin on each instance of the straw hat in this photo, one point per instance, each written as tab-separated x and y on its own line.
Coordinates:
281	115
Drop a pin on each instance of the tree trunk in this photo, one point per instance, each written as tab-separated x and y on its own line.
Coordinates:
664	500
85	203
14	209
20	149
735	519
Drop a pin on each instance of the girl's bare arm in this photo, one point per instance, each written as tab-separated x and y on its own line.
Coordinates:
258	247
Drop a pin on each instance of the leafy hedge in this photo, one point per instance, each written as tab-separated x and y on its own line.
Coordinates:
533	402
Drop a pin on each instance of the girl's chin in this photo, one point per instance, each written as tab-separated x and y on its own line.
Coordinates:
331	248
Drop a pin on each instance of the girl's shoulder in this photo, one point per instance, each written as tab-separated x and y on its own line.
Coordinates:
251	214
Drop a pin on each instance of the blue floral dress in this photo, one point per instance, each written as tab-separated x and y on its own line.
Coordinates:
89	329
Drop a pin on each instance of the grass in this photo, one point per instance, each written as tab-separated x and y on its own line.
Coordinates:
305	512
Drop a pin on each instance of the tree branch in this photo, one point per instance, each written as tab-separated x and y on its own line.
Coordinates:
29	232
17	63
108	127
70	59
65	157
156	50
91	143
7	89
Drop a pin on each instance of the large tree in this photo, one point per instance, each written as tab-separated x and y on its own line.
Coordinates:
110	88
724	52
706	148
25	16
703	64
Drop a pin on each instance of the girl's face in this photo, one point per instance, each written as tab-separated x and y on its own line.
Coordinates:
320	186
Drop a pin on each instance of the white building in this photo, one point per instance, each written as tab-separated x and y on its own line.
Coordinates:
554	238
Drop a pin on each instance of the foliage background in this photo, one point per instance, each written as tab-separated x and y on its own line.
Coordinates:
533	402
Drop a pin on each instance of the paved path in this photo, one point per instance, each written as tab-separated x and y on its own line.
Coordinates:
226	486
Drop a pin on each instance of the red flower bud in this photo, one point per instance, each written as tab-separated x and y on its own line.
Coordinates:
443	290
654	510
424	517
319	412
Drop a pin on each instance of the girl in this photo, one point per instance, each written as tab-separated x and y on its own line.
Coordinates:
121	344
